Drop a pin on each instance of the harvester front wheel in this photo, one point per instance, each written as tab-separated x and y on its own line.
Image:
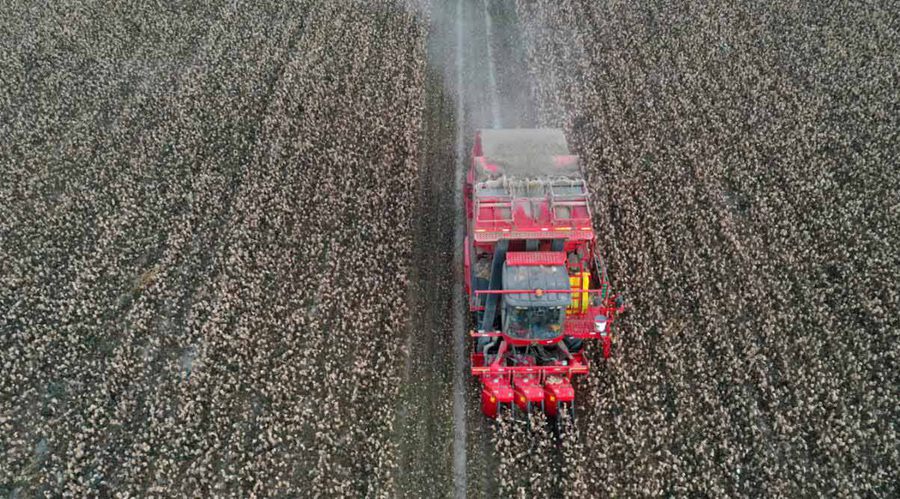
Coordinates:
504	410
565	412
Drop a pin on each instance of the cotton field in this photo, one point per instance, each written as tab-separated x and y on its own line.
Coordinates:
228	235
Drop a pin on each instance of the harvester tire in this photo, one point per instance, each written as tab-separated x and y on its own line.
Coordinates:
574	345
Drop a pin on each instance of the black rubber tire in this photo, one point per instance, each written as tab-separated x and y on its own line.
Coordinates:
574	345
565	412
476	320
503	410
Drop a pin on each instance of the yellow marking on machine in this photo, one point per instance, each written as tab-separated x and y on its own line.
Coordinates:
581	281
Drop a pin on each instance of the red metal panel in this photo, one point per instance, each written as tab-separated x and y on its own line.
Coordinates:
482	235
536	258
579	324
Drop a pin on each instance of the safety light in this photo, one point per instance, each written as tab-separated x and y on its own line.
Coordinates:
600	322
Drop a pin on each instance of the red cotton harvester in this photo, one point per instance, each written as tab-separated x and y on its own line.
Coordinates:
536	284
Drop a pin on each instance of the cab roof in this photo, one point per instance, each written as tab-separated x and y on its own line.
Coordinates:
532	277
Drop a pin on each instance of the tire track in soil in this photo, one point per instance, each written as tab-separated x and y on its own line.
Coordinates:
492	69
475	91
510	458
459	321
423	410
496	91
477	78
425	427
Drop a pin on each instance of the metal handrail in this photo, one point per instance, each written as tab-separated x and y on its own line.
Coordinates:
535	291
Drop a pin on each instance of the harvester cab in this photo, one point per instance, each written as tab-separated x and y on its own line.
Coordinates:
537	286
537	316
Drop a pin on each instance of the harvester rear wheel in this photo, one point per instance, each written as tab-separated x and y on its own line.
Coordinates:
574	345
498	411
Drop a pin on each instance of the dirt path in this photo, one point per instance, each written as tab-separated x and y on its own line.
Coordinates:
432	452
477	78
459	303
